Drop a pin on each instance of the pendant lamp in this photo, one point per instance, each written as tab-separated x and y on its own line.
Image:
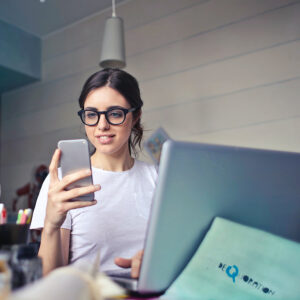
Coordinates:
113	44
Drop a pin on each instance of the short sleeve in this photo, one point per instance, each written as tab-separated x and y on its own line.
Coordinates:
39	212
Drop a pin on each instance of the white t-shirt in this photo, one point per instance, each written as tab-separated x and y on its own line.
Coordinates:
116	224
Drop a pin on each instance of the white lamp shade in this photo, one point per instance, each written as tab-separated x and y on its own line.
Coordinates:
113	45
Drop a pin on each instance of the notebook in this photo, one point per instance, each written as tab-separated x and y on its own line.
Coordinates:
197	182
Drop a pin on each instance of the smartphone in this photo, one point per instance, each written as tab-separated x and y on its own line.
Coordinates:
75	157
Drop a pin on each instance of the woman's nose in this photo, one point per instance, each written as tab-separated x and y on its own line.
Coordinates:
102	124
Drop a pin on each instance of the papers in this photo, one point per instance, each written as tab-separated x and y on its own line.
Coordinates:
154	144
239	262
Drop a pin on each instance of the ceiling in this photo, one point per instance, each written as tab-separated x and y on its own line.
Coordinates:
41	17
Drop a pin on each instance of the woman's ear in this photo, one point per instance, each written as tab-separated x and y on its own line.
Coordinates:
137	118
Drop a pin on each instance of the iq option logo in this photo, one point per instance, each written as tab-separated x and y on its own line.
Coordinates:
233	272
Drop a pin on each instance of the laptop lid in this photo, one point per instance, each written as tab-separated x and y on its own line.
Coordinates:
258	188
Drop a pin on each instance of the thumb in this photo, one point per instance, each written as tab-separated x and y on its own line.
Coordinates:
123	262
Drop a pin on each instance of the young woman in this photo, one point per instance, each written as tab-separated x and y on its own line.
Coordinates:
115	222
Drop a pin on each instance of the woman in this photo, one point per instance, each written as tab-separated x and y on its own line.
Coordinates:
115	222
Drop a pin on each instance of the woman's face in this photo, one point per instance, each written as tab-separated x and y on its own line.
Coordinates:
106	138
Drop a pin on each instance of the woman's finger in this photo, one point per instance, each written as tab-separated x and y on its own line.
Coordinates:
123	262
53	166
77	192
135	267
78	204
73	177
136	264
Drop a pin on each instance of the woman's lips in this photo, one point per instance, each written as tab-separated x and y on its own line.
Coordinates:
105	139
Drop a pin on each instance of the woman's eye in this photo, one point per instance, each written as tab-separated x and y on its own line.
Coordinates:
91	115
116	114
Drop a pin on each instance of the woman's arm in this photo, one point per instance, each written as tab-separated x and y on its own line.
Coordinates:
55	242
54	249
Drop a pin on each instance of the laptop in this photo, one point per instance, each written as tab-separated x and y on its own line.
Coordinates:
197	182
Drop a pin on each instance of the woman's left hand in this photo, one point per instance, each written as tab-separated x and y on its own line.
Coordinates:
134	263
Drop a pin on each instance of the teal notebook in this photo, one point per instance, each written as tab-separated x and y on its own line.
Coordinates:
239	262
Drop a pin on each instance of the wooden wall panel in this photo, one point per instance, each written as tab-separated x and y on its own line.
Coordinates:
239	38
38	147
55	118
43	96
237	73
277	135
205	17
241	109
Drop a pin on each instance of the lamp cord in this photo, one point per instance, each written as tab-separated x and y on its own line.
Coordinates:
113	8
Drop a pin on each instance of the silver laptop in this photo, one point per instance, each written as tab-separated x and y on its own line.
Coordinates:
198	182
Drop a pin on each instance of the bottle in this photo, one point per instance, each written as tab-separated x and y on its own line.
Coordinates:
4	215
1	208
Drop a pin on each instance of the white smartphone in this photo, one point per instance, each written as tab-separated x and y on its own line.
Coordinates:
74	157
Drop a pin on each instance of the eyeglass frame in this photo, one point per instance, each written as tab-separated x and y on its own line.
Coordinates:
105	112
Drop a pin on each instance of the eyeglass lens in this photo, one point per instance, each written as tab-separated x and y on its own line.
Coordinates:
114	116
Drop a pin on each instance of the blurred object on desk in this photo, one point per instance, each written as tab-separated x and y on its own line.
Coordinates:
26	266
70	283
5	276
24	216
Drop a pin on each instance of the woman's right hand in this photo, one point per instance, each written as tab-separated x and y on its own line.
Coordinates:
59	199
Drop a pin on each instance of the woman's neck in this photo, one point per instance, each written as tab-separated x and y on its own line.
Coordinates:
115	163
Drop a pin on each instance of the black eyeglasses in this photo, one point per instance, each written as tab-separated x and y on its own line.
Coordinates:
114	116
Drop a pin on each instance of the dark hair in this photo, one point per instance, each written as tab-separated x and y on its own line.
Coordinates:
128	87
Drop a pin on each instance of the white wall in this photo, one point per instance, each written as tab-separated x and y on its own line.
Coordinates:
215	71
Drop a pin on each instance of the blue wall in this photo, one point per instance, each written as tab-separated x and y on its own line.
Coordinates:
20	57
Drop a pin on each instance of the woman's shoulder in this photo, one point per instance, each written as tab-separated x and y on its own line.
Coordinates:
145	167
145	173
